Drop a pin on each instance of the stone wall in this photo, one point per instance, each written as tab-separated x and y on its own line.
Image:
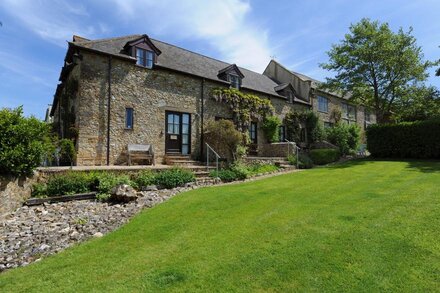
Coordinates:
335	103
14	191
150	93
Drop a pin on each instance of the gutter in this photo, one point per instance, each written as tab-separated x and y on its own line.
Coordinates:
202	96
109	98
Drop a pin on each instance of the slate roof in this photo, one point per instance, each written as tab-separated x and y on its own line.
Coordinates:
182	60
315	85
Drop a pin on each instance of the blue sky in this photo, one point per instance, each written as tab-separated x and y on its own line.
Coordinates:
296	33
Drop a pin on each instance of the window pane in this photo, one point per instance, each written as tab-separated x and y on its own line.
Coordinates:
176	129
170	118
176	119
185	128
185	149
185	119
140	57
129	118
150	59
170	129
185	139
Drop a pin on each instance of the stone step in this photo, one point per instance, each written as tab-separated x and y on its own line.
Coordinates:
184	163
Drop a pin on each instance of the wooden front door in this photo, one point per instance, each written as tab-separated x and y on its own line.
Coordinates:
178	133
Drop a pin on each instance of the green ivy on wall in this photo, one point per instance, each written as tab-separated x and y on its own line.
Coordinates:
245	107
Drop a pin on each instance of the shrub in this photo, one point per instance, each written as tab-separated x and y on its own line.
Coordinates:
270	127
224	138
261	168
23	142
345	136
104	182
294	120
39	190
239	171
67	152
419	139
145	178
304	161
69	183
225	175
174	177
324	156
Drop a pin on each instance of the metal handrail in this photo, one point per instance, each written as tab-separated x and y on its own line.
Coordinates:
209	148
297	150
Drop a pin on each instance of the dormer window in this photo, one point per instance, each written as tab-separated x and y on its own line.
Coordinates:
234	80
144	58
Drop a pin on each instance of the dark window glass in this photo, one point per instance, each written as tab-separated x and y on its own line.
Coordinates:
144	58
322	104
282	134
253	132
235	81
129	118
173	126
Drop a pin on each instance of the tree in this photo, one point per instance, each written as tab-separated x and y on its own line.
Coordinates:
417	103
373	64
23	142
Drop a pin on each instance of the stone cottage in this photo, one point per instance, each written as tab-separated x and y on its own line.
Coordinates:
323	102
138	90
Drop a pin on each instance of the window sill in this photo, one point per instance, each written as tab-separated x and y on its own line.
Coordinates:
145	67
129	129
324	112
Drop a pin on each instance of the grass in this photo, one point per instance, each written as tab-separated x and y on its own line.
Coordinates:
363	226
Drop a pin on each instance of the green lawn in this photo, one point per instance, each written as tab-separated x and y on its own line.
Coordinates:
361	226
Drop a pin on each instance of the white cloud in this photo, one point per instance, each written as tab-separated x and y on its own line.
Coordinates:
224	24
54	22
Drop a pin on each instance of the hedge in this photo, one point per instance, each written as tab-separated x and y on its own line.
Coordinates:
324	156
420	139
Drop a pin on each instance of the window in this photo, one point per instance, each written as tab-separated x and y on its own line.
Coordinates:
129	118
173	126
234	80
290	96
367	116
322	104
328	125
348	112
282	133
186	129
253	132
144	58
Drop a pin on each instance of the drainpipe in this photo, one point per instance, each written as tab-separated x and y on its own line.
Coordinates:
202	96
109	98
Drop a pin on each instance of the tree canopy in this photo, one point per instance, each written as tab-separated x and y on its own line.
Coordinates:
374	65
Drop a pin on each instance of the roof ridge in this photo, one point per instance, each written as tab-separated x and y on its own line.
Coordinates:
114	38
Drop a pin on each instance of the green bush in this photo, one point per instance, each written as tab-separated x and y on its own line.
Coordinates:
261	168
239	171
70	183
224	138
225	175
305	162
24	142
174	177
67	152
419	139
105	181
39	190
145	178
345	136
270	127
324	156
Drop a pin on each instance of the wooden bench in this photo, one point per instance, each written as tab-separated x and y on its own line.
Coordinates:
140	152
